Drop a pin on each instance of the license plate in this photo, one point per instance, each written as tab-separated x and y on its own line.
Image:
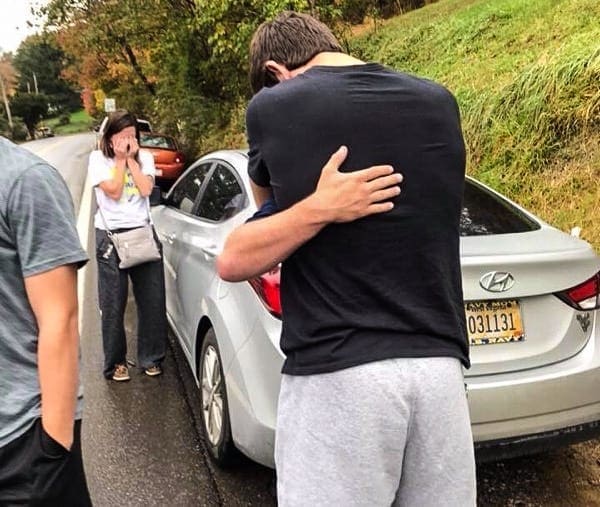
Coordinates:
158	172
491	322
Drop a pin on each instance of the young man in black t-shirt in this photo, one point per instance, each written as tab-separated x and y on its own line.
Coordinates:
372	408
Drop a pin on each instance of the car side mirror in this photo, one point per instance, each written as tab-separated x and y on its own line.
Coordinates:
156	196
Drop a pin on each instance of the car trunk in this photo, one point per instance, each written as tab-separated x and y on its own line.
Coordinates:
163	155
526	325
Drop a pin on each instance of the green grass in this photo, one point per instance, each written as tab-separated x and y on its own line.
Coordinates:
526	74
80	121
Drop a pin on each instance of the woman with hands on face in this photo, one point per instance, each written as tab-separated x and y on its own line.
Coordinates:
123	177
126	148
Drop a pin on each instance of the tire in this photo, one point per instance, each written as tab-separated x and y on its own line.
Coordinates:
213	397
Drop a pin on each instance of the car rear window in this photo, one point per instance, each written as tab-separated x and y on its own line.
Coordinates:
153	141
486	213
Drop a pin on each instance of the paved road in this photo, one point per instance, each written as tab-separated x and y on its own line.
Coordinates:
69	155
141	439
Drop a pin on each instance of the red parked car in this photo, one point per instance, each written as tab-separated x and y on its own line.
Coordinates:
169	161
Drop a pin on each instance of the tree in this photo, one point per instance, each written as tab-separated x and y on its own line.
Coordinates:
7	84
113	50
31	108
184	63
40	62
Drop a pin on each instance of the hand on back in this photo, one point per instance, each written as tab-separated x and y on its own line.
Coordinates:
347	196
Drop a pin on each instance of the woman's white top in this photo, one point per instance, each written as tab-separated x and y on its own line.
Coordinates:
131	210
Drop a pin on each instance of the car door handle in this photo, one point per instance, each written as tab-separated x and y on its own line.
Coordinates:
170	237
209	251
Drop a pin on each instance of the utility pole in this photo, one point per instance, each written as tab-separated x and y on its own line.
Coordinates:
6	105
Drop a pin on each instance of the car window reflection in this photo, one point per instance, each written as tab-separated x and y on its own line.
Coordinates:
184	194
485	213
223	196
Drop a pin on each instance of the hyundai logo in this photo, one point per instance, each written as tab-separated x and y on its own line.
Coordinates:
497	281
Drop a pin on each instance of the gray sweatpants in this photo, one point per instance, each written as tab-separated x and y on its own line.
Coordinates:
393	432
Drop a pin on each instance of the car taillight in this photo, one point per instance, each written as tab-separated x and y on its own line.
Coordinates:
179	158
585	296
266	287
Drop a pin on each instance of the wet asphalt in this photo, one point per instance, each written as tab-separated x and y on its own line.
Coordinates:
139	443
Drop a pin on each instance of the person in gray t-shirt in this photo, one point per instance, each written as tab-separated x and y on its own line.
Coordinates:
40	392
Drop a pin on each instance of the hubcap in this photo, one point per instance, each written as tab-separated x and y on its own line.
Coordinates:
212	395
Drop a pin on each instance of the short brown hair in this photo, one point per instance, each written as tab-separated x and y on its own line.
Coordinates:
117	121
291	39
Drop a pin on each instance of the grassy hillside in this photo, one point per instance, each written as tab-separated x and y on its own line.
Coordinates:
79	121
527	76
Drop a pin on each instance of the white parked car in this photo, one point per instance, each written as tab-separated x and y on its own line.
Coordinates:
532	299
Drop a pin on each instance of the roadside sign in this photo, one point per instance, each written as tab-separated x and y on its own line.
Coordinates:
109	105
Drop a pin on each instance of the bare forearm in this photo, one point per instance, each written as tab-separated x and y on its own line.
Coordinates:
53	299
113	188
58	363
255	247
142	181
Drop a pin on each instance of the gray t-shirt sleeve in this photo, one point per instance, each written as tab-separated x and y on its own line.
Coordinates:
42	219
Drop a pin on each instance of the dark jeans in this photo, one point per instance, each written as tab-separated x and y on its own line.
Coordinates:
149	291
37	470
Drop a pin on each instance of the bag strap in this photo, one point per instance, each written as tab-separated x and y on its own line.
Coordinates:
108	231
150	221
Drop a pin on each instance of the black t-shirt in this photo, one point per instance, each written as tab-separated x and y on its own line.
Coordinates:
384	286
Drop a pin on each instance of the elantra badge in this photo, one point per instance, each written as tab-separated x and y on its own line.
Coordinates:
497	281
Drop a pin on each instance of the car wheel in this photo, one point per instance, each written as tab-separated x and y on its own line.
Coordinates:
213	394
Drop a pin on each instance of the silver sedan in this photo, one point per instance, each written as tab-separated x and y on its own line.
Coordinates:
532	299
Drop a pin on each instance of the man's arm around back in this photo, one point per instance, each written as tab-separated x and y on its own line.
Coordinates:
256	247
